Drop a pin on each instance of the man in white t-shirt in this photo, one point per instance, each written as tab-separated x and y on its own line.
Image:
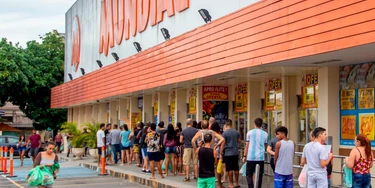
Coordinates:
100	138
317	158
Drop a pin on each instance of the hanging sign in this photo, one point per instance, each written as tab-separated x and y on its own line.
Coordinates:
192	101
173	103
309	91
241	98
156	104
215	93
347	99
366	98
272	93
136	117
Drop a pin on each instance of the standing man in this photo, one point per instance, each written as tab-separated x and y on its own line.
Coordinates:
100	141
189	153
115	141
232	139
85	144
254	152
210	122
69	137
207	161
36	143
271	150
317	158
284	154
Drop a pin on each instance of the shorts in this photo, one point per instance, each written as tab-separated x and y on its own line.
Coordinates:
58	144
131	144
99	151
70	145
189	154
144	152
154	156
34	151
170	150
108	150
283	181
231	163
125	148
206	182
135	148
21	148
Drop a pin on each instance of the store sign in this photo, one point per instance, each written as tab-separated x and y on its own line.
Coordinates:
348	128
241	98
357	76
192	101
366	125
366	98
121	18
136	117
347	99
76	48
216	93
309	91
273	95
140	102
173	103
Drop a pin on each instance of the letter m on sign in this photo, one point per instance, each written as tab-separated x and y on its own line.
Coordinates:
106	27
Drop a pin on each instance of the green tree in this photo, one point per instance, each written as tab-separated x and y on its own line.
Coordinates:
29	74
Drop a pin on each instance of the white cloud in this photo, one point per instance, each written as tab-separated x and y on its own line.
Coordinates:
25	20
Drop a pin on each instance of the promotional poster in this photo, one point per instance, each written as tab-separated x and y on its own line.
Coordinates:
215	103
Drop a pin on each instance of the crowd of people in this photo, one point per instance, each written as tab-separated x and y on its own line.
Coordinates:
154	148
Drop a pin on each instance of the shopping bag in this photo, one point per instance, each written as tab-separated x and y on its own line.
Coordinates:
243	170
302	179
39	176
219	168
169	167
348	176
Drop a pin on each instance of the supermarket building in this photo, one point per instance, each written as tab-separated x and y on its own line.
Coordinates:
252	59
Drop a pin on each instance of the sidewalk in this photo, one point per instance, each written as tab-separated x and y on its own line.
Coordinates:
134	174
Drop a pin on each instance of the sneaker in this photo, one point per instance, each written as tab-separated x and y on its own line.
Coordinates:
196	179
186	180
148	171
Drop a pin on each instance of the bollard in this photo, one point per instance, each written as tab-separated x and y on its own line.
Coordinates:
256	179
103	162
1	159
11	175
5	160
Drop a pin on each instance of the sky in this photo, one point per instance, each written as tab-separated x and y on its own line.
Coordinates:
25	20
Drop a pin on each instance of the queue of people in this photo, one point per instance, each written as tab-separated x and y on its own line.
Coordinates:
154	148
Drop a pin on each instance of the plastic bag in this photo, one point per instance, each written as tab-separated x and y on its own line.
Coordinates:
219	168
243	170
169	167
39	176
348	176
302	179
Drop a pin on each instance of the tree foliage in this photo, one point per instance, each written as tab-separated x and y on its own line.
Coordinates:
28	74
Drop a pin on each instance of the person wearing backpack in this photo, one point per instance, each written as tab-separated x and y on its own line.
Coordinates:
153	150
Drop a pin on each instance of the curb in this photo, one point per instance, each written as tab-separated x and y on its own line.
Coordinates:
133	178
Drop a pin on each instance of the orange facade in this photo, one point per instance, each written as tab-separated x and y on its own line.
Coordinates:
265	32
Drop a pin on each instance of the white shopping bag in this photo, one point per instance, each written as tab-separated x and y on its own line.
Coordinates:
302	179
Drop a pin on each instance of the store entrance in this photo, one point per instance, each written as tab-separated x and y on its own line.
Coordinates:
273	119
307	121
240	122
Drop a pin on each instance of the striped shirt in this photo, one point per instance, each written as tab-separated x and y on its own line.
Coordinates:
257	139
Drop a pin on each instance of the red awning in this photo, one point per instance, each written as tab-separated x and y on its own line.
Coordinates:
6	128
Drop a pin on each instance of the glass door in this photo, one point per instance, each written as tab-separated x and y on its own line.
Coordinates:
308	121
273	119
240	124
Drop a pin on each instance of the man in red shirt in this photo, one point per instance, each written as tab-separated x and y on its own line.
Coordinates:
35	141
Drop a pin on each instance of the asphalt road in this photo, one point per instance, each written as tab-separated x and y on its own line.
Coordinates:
70	175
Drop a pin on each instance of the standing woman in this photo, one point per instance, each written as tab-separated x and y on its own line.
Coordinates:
22	147
131	144
361	161
143	145
179	150
47	158
124	135
59	141
169	142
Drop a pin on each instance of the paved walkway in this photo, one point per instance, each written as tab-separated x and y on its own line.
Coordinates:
134	174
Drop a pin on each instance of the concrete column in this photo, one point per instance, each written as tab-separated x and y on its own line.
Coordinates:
95	113
102	117
88	114
75	114
290	112
113	112
123	107
253	102
231	98
81	117
70	115
133	108
147	113
181	106
163	107
199	105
